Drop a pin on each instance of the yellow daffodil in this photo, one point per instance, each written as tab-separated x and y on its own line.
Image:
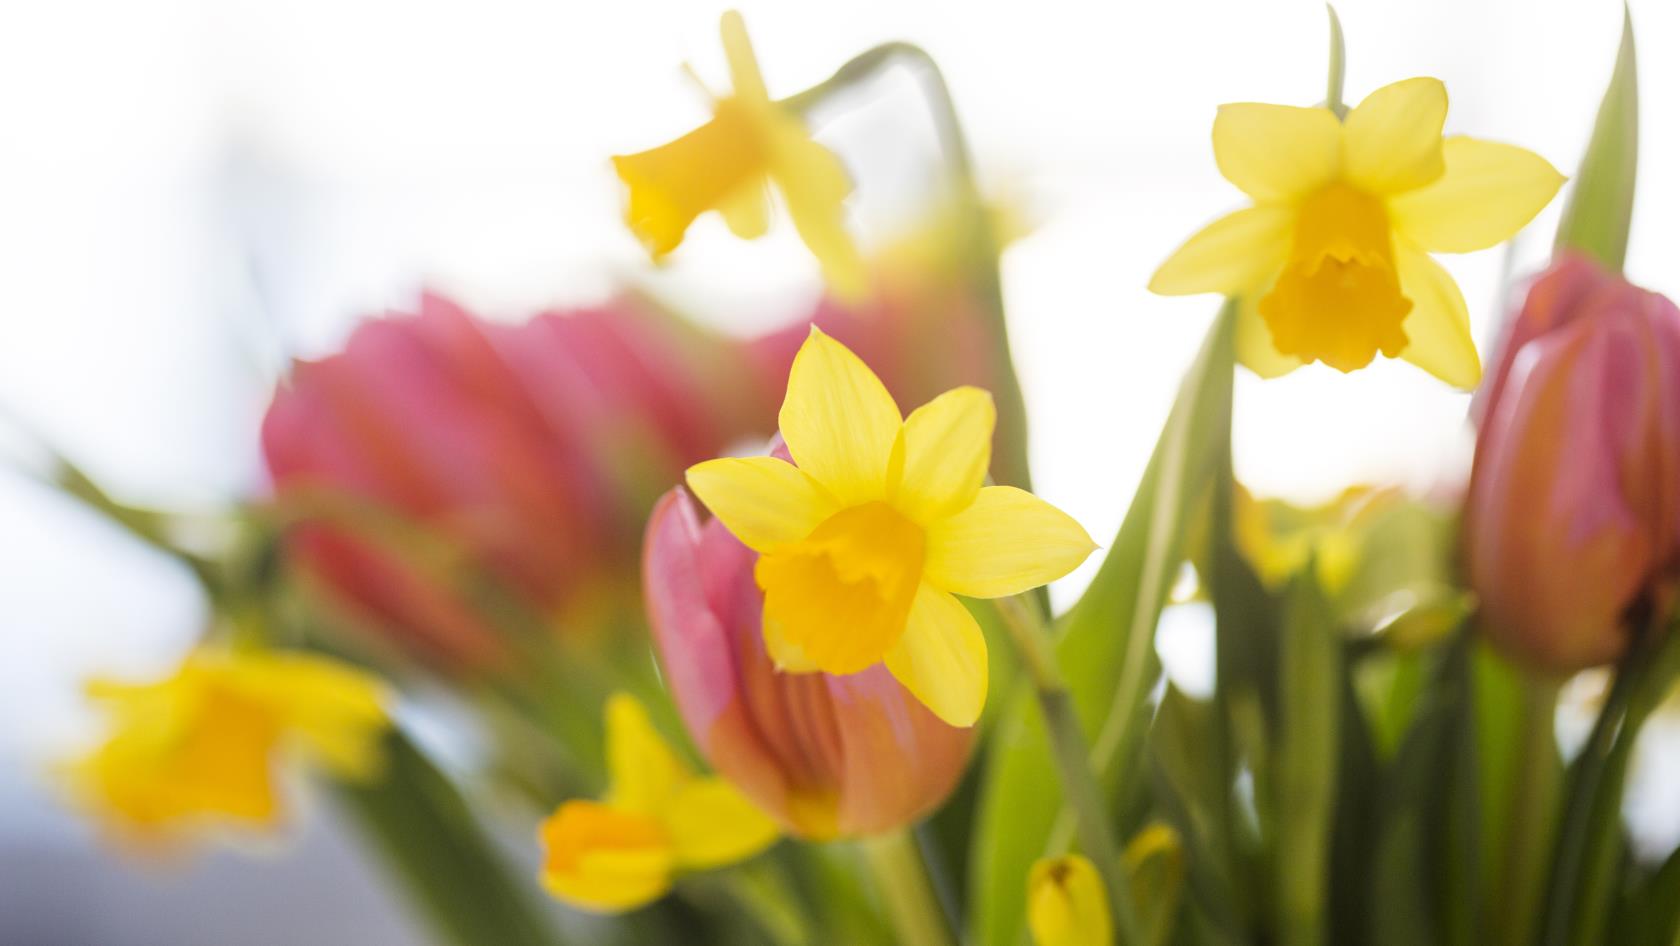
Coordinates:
1332	260
1066	903
657	819
727	165
203	745
863	543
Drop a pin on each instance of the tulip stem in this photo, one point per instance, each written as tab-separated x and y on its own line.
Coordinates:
1533	797
902	878
1072	757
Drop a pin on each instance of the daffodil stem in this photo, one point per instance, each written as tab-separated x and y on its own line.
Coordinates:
980	253
902	877
1338	66
1072	755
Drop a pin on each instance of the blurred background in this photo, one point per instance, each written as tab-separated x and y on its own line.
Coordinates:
193	193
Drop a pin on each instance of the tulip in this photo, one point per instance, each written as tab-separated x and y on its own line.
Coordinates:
1572	527
532	451
826	755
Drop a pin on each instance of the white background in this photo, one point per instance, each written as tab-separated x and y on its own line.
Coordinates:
191	192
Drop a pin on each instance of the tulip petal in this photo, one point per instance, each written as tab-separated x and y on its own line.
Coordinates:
1007	542
1276	153
941	657
1255	350
814	184
712	824
764	501
1438	327
642	771
1488	193
947	450
1233	254
839	422
1392	140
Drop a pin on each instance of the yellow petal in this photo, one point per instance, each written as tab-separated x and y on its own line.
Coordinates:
1438	328
1488	193
947	450
643	773
814	184
669	186
1276	153
1066	903
764	501
337	712
712	824
1236	253
605	860
1007	542
787	654
941	657
744	77
1392	140
839	421
1255	350
746	210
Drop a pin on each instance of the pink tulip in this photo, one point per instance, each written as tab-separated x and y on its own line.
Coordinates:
1572	526
827	755
531	451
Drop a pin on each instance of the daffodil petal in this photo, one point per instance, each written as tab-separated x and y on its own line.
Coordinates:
814	184
1392	141
941	657
1438	327
1255	350
334	710
1233	254
603	859
746	210
1276	153
947	450
744	77
765	501
712	824
1488	193
643	773
839	422
787	654
1007	542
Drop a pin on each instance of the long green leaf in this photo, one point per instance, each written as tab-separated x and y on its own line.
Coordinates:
1106	652
1310	700
431	842
1600	208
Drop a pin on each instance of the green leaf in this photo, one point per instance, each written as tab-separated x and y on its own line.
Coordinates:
1106	652
1600	208
417	820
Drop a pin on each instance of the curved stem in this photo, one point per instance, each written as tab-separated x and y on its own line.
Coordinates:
1073	759
903	881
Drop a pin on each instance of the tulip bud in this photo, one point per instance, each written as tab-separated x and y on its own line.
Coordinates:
826	755
1572	527
1066	904
529	453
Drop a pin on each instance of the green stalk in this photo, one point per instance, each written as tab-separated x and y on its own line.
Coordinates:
1338	66
980	251
903	882
418	821
762	891
1073	759
1533	795
1310	667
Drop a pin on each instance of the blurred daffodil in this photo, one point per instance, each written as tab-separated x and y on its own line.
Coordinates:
863	543
202	746
728	164
1067	905
657	819
1332	259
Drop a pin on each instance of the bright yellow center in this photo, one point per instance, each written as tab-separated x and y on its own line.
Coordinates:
1338	300
841	595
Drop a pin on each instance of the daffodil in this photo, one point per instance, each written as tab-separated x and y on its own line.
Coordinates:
203	745
879	520
728	164
1332	260
658	818
1066	903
